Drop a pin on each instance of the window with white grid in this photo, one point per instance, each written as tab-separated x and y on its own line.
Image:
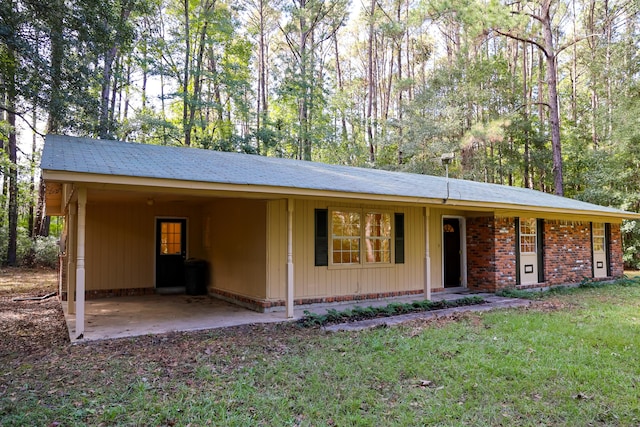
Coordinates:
377	232
345	237
598	232
359	237
528	236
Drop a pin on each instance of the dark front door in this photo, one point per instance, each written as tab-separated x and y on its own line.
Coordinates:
171	251
451	252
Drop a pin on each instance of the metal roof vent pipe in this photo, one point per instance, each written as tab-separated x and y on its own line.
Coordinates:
445	159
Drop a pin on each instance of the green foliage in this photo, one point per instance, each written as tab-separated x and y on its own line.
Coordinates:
41	251
631	239
393	309
478	94
46	251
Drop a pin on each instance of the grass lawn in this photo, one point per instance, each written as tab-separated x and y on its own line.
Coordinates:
571	359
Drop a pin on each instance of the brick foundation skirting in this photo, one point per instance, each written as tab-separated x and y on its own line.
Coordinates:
110	293
265	306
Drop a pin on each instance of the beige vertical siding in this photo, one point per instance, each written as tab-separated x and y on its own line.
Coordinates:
314	282
120	244
277	249
238	242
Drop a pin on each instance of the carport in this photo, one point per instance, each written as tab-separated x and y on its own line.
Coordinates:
121	317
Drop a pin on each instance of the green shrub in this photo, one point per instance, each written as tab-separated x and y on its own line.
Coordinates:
627	281
359	313
41	251
47	251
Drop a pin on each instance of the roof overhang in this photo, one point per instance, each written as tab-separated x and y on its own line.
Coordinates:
56	205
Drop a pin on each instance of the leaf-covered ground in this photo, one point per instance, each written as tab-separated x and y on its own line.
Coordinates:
570	360
29	328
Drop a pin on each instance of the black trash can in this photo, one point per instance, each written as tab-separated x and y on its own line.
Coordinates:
196	276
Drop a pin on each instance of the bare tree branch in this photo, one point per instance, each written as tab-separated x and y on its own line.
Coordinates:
21	116
529	14
574	41
544	104
522	39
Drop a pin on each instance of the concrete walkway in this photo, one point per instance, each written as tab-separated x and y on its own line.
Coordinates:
121	317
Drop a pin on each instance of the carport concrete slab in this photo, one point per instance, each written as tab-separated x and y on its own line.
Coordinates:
121	317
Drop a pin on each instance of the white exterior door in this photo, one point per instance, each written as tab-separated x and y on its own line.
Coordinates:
598	239
528	251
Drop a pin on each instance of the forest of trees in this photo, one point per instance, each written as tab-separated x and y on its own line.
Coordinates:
543	94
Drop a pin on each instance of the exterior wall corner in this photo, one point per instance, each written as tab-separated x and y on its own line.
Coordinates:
491	256
615	251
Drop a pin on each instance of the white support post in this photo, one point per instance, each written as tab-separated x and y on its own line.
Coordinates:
427	255
71	258
289	301
80	276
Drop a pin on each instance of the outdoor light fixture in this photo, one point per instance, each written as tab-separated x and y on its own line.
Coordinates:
445	159
149	202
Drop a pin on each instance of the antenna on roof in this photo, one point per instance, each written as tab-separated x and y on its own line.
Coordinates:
445	159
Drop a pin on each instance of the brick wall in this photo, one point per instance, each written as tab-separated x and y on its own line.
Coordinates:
615	251
491	253
481	266
505	248
567	252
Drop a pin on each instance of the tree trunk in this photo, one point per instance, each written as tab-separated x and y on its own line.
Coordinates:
13	167
554	113
13	187
114	92
343	119
197	83
32	177
261	99
110	55
303	103
371	83
104	128
185	78
11	67
399	88
525	113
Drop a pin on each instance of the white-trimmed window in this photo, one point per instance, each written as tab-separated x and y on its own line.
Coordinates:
377	234
598	232
345	237
528	236
360	237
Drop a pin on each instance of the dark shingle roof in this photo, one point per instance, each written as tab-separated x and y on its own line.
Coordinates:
117	158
